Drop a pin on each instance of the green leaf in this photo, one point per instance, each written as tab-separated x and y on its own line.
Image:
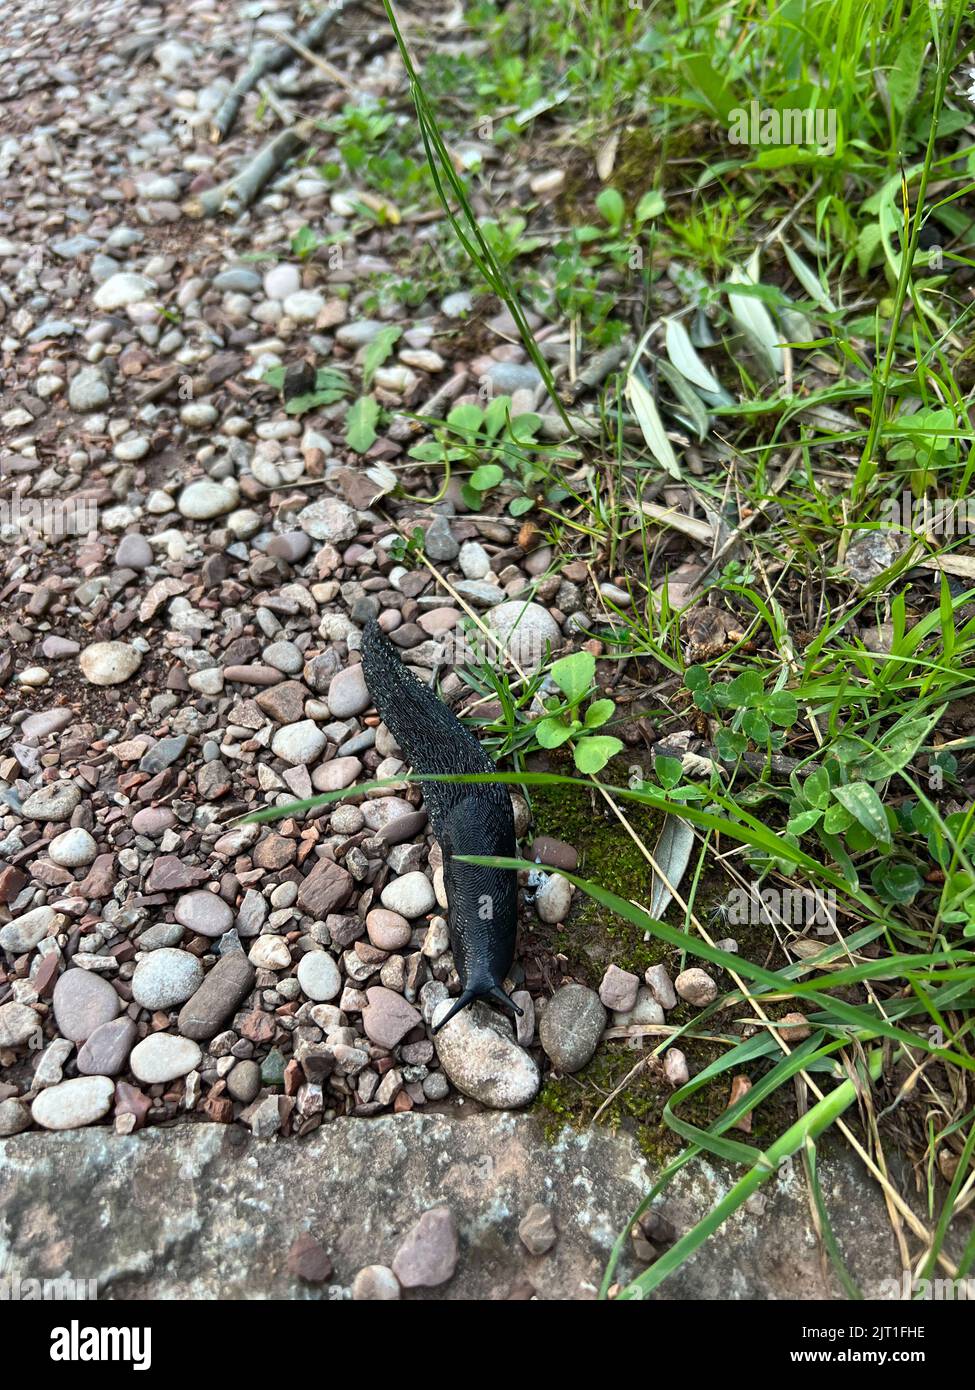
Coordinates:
805	820
518	506
755	726
837	819
696	678
904	77
611	206
896	883
496	415
781	707
754	319
574	675
863	803
466	420
745	690
552	733
377	352
817	789
669	770
729	744
898	745
486	477
598	712
648	417
652	204
360	424
683	354
592	754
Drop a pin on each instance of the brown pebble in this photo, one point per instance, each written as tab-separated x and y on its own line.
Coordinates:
308	1260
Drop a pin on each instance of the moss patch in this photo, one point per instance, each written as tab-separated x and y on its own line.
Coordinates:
592	938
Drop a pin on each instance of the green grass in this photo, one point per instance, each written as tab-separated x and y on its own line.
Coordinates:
804	322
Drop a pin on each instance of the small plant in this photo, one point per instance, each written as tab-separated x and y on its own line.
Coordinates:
305	243
330	386
757	714
565	719
503	448
404	549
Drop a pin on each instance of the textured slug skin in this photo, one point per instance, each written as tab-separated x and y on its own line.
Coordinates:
466	819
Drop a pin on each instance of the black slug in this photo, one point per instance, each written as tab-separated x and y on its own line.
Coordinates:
472	818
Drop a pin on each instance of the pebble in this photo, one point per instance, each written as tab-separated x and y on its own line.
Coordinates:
48	721
319	976
536	1229
153	820
387	931
205	499
675	1067
238	280
304	306
164	1057
88	390
527	630
571	1026
309	1261
224	987
204	912
133	552
553	899
645	1010
83	1001
478	1052
347	693
661	986
696	986
334	776
281	281
284	656
474	561
166	977
109	663
25	932
374	1284
299	744
456	305
439	543
428	1256
55	802
270	953
106	1051
411	895
358	333
121	290
328	519
508	377
72	848
74	1104
387	1017
14	1117
244	1081
19	1024
618	989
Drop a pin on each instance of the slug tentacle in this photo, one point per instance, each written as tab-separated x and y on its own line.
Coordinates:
466	819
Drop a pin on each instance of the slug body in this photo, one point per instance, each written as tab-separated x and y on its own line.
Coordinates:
475	818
